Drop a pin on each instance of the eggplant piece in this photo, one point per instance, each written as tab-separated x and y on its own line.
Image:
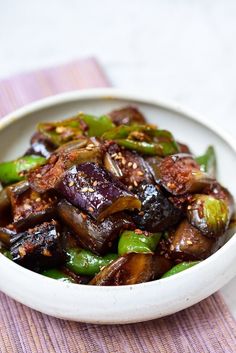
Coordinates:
46	177
6	234
184	148
128	166
132	269
95	191
38	248
127	116
180	174
92	235
188	243
5	208
40	145
29	207
208	214
157	213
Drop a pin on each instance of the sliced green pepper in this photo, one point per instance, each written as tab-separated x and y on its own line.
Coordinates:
179	268
97	125
58	275
84	262
12	171
63	131
131	242
207	161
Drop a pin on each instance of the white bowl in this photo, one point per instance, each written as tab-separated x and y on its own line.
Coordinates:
123	304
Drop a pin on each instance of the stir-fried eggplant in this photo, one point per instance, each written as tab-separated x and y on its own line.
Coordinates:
132	269
29	207
188	243
127	116
95	236
157	213
111	200
46	177
210	215
180	174
132	167
40	145
95	191
39	247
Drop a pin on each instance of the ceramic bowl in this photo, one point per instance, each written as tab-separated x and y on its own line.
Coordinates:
132	303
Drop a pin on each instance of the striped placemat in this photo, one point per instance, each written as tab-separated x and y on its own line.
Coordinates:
203	328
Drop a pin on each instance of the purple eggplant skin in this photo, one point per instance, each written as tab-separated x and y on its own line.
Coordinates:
38	248
127	116
158	213
5	208
72	153
90	234
29	207
132	269
40	145
96	191
187	243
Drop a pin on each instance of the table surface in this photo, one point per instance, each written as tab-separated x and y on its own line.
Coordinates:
182	50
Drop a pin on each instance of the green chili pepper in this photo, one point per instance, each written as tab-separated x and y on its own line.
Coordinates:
63	131
11	172
179	268
6	253
58	275
84	262
97	125
138	243
207	161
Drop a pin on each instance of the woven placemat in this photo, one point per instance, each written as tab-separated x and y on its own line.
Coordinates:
205	327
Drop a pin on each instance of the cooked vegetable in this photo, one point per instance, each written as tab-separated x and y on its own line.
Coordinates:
58	275
132	269
97	125
47	176
158	212
29	207
138	242
40	145
13	171
180	174
38	248
95	191
127	116
188	243
111	200
84	262
210	215
179	268
95	236
207	161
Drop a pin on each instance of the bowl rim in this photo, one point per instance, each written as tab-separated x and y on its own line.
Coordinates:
134	97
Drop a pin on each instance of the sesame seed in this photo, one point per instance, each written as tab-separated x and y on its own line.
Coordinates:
135	183
46	252
84	189
22	251
95	183
189	242
90	190
130	164
135	166
38	175
123	162
60	129
84	216
90	209
114	155
172	248
38	199
90	145
71	183
139	172
130	187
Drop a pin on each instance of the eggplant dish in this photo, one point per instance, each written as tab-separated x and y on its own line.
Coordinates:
111	200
